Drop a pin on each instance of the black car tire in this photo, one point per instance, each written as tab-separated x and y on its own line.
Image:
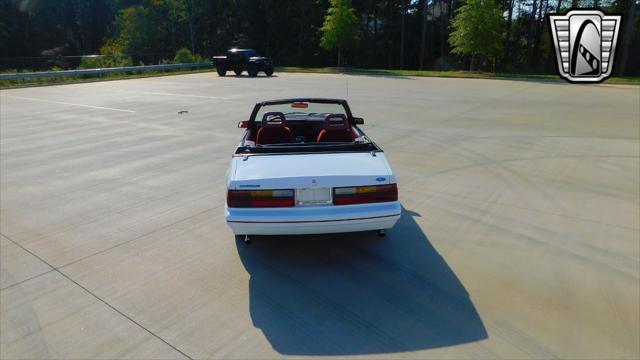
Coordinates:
268	71
252	70
221	71
238	72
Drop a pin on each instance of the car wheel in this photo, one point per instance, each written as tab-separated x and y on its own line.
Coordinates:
252	70
268	71
238	72
221	71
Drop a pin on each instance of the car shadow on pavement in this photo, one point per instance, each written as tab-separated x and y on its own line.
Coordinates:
245	76
356	293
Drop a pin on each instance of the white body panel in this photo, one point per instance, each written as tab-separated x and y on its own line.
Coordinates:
293	171
305	171
313	219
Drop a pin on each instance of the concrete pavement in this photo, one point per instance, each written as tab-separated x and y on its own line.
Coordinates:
520	235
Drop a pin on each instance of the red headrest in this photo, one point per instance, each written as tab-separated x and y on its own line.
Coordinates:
335	122
273	119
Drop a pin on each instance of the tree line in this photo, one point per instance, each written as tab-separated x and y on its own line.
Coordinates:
489	35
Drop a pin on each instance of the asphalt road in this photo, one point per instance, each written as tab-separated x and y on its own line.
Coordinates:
520	236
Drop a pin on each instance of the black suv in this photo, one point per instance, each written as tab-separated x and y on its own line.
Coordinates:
240	60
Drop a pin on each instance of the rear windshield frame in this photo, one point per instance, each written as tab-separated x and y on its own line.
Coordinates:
256	109
302	148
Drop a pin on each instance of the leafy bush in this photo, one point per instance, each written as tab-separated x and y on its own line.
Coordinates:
55	57
112	56
197	58
183	56
105	61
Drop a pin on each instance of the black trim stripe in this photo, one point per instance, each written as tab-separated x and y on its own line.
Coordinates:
317	221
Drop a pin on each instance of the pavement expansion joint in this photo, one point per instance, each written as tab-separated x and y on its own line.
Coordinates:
93	295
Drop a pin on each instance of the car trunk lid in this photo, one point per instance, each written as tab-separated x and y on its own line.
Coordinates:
308	171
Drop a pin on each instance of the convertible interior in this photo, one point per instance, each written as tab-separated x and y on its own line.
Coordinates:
278	128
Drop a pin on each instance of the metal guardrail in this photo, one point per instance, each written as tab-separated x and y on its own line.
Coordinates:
45	74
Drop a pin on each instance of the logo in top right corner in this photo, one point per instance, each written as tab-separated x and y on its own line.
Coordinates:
585	43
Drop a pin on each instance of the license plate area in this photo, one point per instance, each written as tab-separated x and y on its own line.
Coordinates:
313	197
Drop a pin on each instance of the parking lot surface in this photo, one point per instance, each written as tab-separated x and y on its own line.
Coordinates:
519	238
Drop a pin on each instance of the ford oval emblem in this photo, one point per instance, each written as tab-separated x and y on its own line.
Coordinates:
381	179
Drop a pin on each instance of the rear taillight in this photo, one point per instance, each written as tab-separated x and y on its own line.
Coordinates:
260	198
365	194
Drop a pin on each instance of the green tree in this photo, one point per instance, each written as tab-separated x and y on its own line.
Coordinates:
477	30
184	56
341	28
136	30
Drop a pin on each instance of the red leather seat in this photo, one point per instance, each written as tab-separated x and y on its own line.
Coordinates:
336	128
273	129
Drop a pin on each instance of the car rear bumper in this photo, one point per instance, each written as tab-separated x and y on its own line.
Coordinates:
312	220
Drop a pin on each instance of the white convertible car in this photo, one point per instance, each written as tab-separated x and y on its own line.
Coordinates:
305	167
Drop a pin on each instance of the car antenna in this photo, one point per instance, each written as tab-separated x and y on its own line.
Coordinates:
346	83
